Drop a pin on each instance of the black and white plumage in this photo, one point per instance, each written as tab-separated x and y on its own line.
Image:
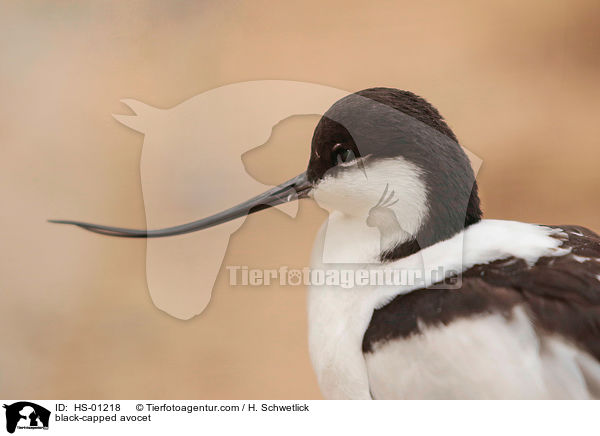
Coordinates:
548	312
524	323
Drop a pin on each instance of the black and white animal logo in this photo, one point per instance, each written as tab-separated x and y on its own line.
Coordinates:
26	415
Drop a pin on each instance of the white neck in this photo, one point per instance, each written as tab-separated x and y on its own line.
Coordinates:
346	239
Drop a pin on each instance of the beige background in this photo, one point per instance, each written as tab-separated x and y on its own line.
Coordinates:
517	81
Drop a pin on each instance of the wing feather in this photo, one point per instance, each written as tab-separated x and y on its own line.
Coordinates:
560	296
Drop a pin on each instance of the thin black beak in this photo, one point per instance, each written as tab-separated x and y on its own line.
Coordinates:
296	188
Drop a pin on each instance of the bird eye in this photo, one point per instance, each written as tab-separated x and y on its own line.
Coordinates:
343	155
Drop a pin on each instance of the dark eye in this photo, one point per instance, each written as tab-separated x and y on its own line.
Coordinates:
343	155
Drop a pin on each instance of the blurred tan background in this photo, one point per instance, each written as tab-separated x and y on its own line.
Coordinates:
517	81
